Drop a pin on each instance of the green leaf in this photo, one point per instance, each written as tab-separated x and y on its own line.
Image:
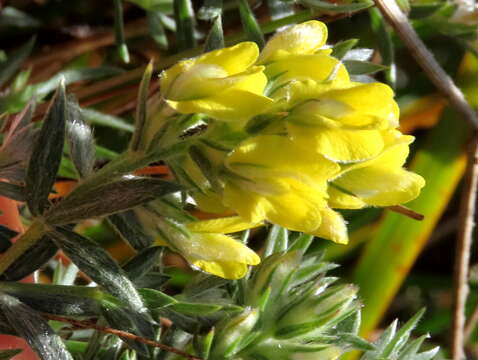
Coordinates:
141	110
250	24
156	299
9	354
130	229
119	318
195	308
164	6
203	344
12	191
215	38
109	198
80	140
356	67
328	6
341	48
34	329
119	31
277	240
75	300
95	262
210	10
46	156
185	24
15	60
302	243
143	262
74	75
31	260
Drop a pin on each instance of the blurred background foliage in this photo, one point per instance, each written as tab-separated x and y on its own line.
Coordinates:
102	48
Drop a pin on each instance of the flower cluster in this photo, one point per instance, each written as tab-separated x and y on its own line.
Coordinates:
291	137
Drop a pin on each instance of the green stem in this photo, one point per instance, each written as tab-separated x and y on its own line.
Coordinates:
34	233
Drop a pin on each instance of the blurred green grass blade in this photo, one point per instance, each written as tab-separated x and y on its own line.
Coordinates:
279	8
215	38
249	23
119	32
185	24
156	29
99	118
385	45
389	255
210	10
15	60
9	16
75	75
328	6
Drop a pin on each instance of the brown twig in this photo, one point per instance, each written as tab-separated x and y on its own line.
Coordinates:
445	84
406	211
463	248
426	60
87	324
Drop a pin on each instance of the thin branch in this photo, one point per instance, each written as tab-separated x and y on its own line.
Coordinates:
463	248
426	60
82	324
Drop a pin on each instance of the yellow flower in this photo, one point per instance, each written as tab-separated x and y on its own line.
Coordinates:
223	84
205	246
344	121
381	181
275	179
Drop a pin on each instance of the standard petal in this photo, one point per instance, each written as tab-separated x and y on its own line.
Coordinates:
382	185
224	225
333	227
305	38
233	59
339	144
231	105
319	67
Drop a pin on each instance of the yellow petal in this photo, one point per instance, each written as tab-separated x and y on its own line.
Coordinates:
209	202
202	81
305	38
339	144
272	155
332	227
231	105
341	200
382	185
218	247
296	208
318	67
222	225
368	103
233	59
225	269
